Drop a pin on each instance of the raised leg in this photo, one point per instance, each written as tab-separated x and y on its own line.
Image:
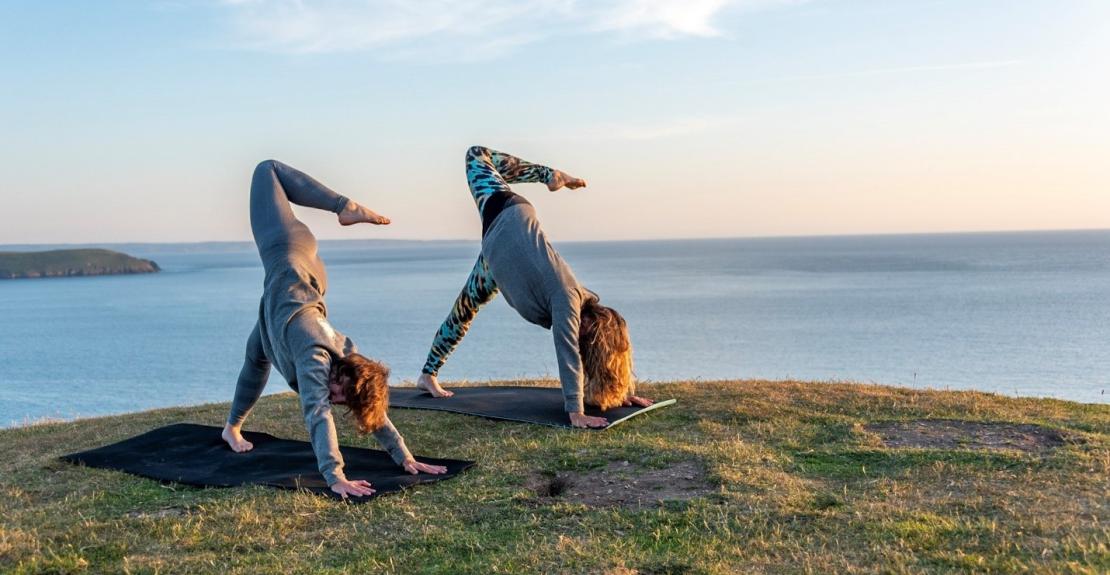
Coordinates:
489	171
273	188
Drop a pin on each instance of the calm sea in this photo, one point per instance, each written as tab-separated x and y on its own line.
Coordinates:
1024	314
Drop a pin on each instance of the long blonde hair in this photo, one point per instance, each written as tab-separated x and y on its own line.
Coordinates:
606	353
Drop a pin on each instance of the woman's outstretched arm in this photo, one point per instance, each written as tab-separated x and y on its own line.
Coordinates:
313	365
479	289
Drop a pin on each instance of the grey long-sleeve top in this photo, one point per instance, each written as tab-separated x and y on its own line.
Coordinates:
517	260
297	338
541	287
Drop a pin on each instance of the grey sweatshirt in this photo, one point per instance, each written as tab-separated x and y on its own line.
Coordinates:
541	287
293	333
303	356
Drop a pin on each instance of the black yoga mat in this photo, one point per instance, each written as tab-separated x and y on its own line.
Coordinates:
196	455
539	405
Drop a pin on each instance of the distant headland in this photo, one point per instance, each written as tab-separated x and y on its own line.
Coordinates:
69	263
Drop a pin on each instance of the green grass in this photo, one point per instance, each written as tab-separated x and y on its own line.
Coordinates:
78	262
795	484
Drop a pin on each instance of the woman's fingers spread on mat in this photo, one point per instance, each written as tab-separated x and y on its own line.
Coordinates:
434	469
358	488
414	467
583	420
641	401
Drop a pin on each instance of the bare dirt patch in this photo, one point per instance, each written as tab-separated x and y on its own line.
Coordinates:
623	484
958	434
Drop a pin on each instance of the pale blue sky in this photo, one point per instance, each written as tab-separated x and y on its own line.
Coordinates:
142	121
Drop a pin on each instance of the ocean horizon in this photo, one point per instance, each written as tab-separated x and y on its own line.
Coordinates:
1017	313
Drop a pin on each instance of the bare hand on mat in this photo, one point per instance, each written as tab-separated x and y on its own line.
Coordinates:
637	401
358	488
413	466
583	420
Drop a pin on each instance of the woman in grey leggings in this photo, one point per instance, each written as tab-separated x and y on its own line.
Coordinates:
293	333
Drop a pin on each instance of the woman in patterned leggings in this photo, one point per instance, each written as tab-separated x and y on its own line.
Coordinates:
591	340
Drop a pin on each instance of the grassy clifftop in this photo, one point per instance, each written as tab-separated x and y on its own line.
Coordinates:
739	477
63	263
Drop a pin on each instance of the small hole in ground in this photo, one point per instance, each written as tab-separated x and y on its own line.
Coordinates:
555	486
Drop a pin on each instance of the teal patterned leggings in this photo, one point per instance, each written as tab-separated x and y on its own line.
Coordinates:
488	173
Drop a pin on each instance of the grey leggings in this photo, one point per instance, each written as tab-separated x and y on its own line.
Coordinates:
273	223
281	238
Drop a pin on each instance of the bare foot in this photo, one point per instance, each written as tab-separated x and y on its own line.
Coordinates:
430	384
561	178
235	439
355	213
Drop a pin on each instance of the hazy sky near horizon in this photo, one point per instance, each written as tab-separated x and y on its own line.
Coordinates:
142	121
